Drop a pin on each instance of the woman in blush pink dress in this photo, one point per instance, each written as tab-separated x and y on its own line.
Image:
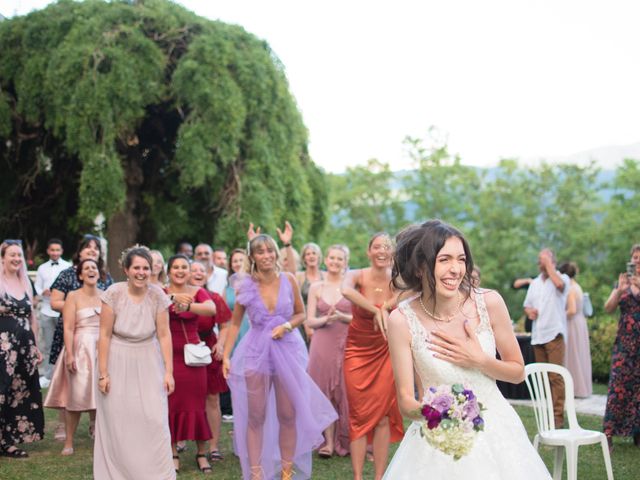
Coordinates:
74	380
578	351
329	315
135	370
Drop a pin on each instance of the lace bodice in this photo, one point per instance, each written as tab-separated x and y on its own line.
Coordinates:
434	371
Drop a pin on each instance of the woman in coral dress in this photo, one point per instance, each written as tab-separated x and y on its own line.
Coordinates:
279	413
74	381
329	315
373	410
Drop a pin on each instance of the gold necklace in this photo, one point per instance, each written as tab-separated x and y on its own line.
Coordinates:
438	317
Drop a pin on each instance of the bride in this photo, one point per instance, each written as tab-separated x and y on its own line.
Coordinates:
448	333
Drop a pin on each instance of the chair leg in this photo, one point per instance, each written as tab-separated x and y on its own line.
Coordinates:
572	462
557	463
536	442
607	457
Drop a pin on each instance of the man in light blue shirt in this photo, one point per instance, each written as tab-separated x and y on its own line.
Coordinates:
546	304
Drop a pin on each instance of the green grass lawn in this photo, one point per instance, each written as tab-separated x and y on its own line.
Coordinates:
45	462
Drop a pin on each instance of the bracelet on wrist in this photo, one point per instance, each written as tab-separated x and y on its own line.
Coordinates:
287	326
287	245
103	377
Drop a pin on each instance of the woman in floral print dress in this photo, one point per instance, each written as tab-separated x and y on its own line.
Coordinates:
21	416
622	415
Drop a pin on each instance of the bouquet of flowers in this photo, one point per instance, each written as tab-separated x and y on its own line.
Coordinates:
452	419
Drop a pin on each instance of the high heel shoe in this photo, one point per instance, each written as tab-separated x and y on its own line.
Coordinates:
287	470
66	451
256	473
207	467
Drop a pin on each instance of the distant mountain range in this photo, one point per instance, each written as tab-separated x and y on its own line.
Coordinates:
608	157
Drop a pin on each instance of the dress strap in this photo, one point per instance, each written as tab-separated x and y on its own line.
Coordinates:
485	323
415	328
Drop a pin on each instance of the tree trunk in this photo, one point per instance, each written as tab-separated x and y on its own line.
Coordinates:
123	226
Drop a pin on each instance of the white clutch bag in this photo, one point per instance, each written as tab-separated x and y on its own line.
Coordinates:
197	355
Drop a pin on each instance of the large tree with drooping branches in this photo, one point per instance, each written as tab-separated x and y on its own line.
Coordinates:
167	124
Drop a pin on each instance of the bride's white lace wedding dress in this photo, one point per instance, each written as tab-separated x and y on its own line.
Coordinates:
501	452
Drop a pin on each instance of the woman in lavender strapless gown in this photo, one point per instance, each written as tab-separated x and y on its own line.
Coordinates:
74	380
279	412
329	315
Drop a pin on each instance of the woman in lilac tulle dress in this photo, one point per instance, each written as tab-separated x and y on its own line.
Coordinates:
279	412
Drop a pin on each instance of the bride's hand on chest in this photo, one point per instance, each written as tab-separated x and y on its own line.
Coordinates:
464	352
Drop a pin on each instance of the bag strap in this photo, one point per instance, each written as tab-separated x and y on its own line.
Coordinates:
184	330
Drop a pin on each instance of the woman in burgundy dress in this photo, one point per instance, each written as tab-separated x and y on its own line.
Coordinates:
329	315
216	384
187	414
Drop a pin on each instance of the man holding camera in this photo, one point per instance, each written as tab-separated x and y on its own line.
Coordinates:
545	304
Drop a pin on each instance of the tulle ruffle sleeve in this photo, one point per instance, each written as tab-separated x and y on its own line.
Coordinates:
247	291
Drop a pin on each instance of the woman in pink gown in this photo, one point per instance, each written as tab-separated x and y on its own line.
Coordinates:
135	370
578	351
74	380
329	315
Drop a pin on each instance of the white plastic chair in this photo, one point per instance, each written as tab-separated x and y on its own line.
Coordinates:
569	439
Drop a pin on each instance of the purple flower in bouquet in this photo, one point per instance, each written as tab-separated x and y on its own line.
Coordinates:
471	410
432	416
478	423
469	394
442	403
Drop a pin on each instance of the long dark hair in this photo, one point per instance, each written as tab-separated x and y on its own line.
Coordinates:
81	264
417	247
82	244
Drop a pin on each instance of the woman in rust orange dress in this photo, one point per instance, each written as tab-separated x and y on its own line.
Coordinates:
373	410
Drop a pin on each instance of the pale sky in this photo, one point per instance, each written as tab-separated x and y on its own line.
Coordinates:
499	78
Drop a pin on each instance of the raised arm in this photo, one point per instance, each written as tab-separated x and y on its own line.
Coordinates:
164	338
614	298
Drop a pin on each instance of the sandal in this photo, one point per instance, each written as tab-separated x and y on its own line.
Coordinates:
287	470
181	447
177	469
256	473
66	451
215	456
207	468
325	452
15	453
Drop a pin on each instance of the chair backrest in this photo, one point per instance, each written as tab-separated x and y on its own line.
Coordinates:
537	380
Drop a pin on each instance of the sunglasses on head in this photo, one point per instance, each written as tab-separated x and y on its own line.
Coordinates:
89	236
11	241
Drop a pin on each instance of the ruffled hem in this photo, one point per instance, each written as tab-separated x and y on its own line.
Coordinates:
189	426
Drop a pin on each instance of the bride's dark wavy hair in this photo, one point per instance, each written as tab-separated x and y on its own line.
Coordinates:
417	247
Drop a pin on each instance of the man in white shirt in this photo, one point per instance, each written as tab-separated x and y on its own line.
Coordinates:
217	277
45	276
545	304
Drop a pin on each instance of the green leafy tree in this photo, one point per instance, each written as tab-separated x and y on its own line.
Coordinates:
364	200
167	124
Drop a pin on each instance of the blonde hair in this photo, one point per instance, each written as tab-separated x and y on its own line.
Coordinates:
262	239
310	246
22	272
162	276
